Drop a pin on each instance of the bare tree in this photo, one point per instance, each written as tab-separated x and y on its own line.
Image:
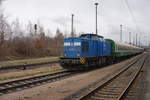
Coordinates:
4	29
26	42
59	42
1	2
17	28
0	6
30	29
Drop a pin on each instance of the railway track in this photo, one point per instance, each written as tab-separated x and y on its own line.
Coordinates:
17	85
117	87
114	86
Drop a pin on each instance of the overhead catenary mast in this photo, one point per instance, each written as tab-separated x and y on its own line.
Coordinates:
129	37
136	39
139	41
121	33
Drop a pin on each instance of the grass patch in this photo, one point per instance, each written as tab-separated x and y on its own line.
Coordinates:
28	61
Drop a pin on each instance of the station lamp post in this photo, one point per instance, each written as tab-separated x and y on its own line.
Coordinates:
96	4
72	25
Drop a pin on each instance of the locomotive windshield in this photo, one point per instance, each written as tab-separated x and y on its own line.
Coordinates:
85	36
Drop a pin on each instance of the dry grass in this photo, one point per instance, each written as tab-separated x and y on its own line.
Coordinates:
29	61
31	72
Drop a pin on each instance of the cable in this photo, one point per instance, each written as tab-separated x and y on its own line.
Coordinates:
133	17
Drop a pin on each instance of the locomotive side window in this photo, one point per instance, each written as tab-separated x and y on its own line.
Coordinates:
100	38
94	37
66	43
85	47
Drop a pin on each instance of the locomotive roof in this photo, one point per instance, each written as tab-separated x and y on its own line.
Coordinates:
91	35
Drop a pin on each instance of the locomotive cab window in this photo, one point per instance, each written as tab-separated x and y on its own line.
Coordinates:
85	47
94	37
100	38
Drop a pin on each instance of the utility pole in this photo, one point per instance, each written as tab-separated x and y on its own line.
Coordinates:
129	37
72	27
121	33
96	31
133	40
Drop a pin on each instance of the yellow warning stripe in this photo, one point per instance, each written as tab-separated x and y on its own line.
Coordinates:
82	60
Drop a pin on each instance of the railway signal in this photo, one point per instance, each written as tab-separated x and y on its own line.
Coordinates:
35	28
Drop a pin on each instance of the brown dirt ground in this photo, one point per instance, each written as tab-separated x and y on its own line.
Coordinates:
60	89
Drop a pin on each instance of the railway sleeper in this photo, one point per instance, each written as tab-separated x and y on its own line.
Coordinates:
110	93
105	97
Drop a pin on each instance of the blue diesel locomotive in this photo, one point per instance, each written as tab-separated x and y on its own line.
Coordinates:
87	50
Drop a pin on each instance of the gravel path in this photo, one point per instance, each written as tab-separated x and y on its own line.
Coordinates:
60	89
146	81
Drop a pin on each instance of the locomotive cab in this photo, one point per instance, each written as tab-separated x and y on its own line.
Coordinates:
77	50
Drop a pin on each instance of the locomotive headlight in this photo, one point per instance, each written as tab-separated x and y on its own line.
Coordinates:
65	54
78	53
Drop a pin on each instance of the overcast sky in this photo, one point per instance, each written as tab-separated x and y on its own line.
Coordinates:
111	13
